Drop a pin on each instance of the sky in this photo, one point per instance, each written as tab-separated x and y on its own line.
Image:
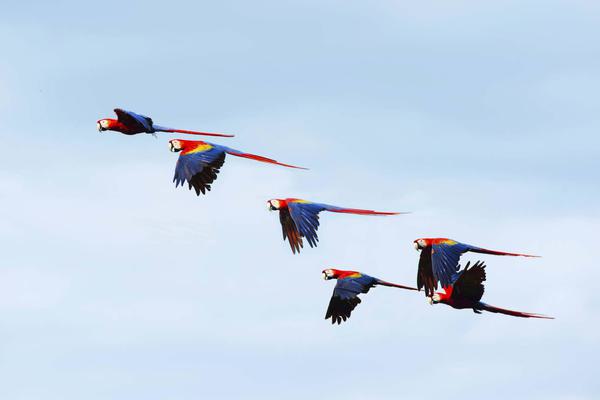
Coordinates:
480	118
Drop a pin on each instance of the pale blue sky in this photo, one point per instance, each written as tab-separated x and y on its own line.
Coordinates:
479	117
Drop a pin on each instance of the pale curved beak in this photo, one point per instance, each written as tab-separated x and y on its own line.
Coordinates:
416	246
172	148
324	275
430	301
99	127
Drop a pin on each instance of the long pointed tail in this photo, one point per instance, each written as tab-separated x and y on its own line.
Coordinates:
498	253
171	130
493	309
390	284
362	212
259	158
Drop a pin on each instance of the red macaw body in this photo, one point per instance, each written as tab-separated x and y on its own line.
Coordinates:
199	162
299	219
466	291
439	260
130	123
345	294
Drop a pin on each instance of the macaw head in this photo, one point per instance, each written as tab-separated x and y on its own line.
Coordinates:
273	205
329	274
103	124
420	244
175	145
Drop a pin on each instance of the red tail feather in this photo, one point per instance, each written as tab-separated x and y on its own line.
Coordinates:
513	313
501	253
197	132
384	283
365	212
262	159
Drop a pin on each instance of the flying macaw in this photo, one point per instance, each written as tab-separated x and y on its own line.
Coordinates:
345	294
130	123
199	162
439	261
300	218
466	290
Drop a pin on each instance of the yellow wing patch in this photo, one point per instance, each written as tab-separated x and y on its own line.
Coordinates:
200	148
450	242
301	201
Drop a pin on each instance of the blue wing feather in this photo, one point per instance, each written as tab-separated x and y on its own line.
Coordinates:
345	297
306	218
350	287
129	117
189	165
445	259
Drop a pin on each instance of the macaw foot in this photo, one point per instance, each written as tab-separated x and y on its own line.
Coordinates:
476	311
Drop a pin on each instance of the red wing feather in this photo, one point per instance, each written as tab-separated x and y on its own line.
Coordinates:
290	231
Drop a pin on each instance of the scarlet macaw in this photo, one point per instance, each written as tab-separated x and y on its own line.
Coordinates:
439	261
130	123
300	218
199	162
345	294
466	291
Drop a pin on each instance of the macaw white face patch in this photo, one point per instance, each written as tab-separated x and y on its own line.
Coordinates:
327	274
273	204
174	145
419	244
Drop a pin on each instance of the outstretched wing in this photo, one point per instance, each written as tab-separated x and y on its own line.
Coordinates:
425	277
444	260
134	121
306	217
345	296
290	231
468	283
199	167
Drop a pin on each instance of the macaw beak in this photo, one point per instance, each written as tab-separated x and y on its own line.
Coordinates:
416	246
172	148
430	301
324	275
99	127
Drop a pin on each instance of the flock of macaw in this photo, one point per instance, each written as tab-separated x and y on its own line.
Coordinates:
199	163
